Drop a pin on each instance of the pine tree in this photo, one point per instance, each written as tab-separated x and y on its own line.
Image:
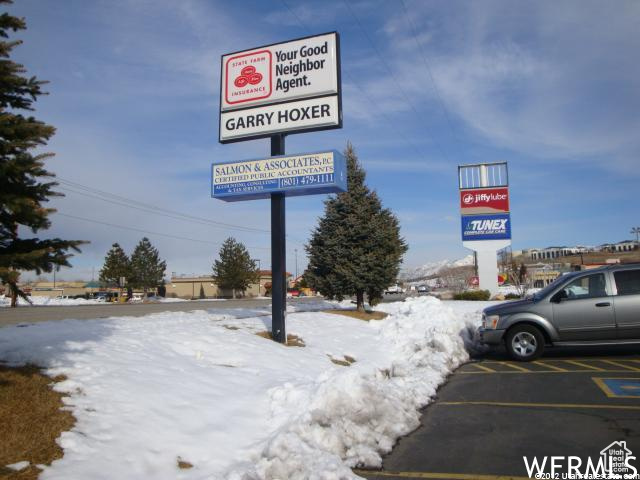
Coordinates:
25	185
356	248
147	269
116	265
235	270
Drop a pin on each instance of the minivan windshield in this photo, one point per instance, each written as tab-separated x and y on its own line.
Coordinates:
546	290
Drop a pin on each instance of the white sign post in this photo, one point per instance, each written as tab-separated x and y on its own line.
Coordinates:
486	222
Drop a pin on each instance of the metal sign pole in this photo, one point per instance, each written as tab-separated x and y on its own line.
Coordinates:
278	255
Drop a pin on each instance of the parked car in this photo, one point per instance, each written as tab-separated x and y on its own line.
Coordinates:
394	289
592	307
423	289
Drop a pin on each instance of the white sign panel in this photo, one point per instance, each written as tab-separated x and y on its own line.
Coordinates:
302	68
285	117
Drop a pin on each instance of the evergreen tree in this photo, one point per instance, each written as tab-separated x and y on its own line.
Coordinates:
25	185
116	265
147	269
235	270
356	248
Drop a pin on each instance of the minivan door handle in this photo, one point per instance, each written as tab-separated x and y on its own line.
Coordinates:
603	304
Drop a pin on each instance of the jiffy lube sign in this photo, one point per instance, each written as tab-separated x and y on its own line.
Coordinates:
286	87
304	174
484	200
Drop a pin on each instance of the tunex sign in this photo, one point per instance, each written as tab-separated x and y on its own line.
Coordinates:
286	87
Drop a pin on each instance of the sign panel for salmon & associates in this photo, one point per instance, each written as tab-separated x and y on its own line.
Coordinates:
486	227
484	200
302	69
293	175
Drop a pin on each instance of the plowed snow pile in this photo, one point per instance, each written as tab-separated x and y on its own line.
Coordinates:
202	388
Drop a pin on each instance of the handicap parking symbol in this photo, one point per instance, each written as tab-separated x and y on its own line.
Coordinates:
619	387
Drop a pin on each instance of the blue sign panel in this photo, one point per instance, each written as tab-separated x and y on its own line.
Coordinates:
622	387
486	227
293	175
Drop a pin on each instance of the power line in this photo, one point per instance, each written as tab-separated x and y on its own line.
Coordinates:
168	235
119	200
366	95
428	68
386	65
131	203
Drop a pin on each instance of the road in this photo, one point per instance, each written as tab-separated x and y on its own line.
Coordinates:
492	412
31	314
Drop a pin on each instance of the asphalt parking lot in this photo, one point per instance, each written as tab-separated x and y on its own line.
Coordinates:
492	412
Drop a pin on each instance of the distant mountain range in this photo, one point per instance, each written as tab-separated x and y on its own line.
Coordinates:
433	268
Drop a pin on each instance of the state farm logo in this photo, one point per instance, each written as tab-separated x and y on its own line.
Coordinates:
248	77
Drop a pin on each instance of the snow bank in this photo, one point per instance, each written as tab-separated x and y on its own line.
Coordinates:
49	301
200	386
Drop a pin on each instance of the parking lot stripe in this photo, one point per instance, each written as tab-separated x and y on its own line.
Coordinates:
618	364
552	367
517	367
482	367
436	476
513	372
584	365
545	405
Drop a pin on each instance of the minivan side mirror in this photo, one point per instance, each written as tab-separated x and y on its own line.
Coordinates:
559	296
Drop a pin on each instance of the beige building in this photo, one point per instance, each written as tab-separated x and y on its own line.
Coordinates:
191	287
62	288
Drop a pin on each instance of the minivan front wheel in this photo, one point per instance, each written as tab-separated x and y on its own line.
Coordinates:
525	343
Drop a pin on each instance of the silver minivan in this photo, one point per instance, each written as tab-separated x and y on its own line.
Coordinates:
591	307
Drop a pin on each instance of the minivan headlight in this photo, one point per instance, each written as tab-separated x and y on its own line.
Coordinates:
491	321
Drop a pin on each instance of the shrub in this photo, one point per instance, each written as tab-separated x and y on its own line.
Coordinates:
473	295
512	296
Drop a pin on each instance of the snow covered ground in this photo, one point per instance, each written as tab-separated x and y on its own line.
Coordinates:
65	302
49	301
201	387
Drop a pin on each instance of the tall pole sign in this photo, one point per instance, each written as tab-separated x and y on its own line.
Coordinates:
485	217
273	91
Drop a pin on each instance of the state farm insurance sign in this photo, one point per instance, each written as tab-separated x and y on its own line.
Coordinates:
285	87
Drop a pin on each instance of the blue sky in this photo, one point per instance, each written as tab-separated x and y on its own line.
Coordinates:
549	87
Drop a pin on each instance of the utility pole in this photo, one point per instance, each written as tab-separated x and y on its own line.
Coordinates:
296	250
636	231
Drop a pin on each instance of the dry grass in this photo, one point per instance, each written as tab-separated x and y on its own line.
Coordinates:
292	340
183	465
372	315
31	418
348	360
